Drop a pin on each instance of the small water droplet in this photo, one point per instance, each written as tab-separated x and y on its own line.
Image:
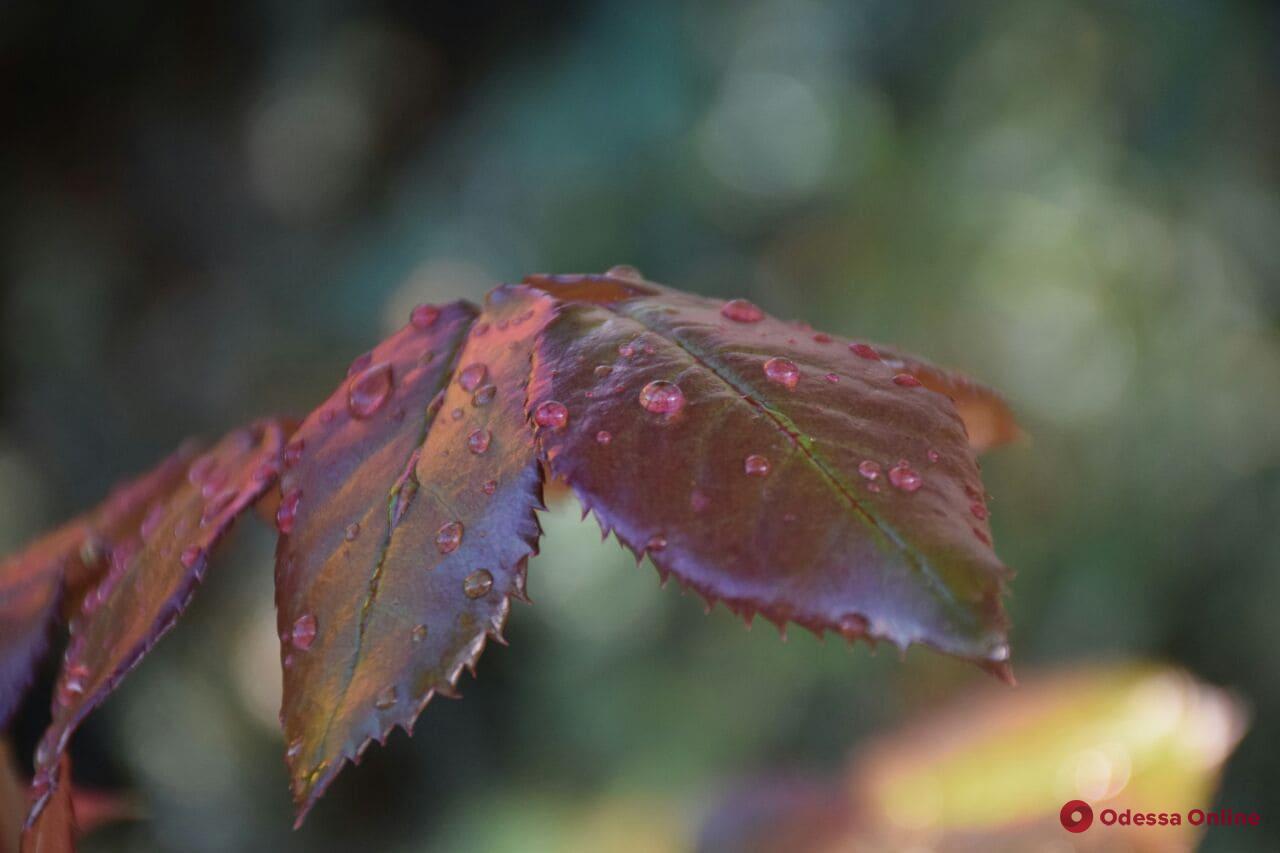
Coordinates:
932	455
368	392
657	542
662	397
756	465
360	364
604	437
424	316
477	584
822	338
782	371
352	531
741	311
386	699
479	330
287	512
904	478
294	748
551	414
489	487
602	370
293	452
304	631
484	396
832	378
979	511
471	376
327	415
625	271
456	414
869	469
449	537
478	441
191	555
864	351
419	633
906	380
626	350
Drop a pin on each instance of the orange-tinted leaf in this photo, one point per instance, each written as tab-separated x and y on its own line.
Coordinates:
60	568
780	471
986	414
406	531
151	581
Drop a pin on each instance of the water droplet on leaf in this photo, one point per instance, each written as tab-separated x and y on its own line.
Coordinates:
551	415
869	469
478	441
287	512
471	376
662	397
304	632
369	391
424	316
741	311
604	437
904	478
449	537
477	584
191	555
906	380
756	465
484	396
352	531
864	351
782	371
419	633
386	699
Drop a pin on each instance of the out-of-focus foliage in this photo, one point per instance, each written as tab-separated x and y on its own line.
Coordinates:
207	210
992	772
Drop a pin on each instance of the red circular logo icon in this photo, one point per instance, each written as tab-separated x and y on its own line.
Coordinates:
1076	816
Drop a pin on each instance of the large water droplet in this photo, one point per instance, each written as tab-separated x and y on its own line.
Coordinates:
782	371
864	351
424	316
662	397
756	465
477	584
906	380
551	415
449	537
287	512
741	311
304	631
369	391
471	376
903	477
484	396
478	441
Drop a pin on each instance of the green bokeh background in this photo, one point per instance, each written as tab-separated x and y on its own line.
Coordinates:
207	211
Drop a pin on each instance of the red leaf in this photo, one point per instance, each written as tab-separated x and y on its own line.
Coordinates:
152	580
406	539
776	470
64	564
